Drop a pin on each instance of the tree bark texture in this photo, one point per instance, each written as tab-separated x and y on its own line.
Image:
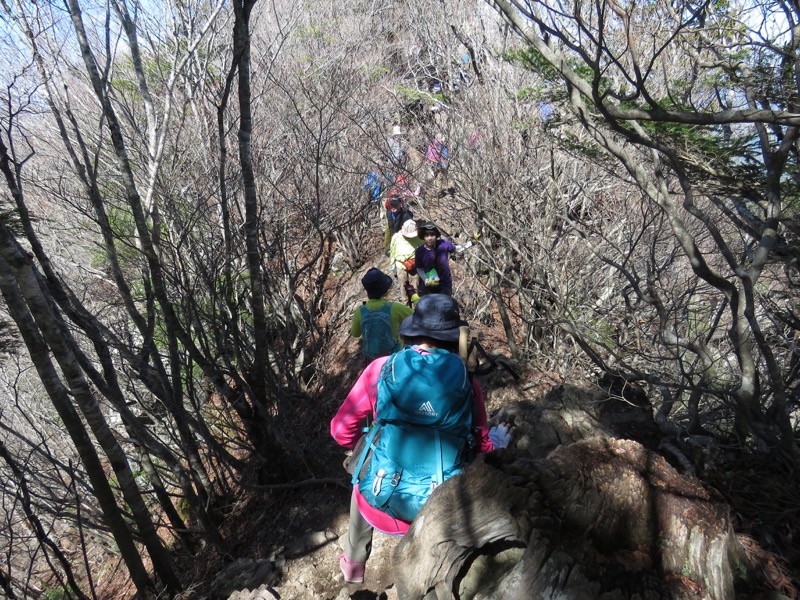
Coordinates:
601	518
572	511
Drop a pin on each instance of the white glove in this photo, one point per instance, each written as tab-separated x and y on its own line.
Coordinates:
500	435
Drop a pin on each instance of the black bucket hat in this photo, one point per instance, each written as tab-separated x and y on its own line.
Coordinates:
376	283
427	226
436	316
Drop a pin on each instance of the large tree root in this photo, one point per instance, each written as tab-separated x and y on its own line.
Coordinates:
600	518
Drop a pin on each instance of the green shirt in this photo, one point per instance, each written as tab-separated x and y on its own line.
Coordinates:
399	312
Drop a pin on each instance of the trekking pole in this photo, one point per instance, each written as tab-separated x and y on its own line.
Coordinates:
410	291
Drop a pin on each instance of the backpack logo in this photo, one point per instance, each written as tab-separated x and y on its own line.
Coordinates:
377	333
426	408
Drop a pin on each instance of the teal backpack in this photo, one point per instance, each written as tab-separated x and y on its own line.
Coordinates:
423	432
377	334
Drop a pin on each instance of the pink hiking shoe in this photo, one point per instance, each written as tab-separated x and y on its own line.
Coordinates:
353	571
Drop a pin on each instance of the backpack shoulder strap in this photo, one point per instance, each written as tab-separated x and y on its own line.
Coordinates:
439	461
387	308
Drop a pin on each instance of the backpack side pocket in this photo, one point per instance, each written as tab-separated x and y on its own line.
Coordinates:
381	481
352	461
358	466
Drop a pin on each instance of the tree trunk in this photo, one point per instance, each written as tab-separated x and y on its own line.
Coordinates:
51	330
258	377
59	395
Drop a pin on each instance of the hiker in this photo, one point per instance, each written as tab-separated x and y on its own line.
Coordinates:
401	252
431	258
396	214
377	321
401	188
373	187
429	413
396	148
436	156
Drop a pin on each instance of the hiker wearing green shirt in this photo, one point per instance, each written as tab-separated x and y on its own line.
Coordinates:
377	320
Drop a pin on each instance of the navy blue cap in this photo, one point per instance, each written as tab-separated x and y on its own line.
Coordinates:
436	316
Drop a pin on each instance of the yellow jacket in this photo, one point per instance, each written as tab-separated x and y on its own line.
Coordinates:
402	248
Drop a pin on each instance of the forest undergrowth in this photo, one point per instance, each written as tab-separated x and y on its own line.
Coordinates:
763	494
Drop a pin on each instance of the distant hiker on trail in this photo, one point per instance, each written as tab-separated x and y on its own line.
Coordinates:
402	254
377	321
397	214
431	418
400	188
437	156
433	265
396	147
373	186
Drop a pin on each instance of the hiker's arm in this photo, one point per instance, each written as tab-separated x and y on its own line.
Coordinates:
393	258
404	251
481	427
355	327
447	246
399	313
359	404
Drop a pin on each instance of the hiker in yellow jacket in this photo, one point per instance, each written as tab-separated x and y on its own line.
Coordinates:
401	254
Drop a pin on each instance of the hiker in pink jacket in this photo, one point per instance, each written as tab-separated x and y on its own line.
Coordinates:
434	324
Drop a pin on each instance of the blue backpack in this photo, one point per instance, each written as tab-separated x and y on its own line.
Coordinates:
373	186
423	432
377	333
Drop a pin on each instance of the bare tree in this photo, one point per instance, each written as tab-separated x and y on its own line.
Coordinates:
27	305
41	535
188	343
682	96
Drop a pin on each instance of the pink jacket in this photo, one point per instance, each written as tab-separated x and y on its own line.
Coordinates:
360	403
